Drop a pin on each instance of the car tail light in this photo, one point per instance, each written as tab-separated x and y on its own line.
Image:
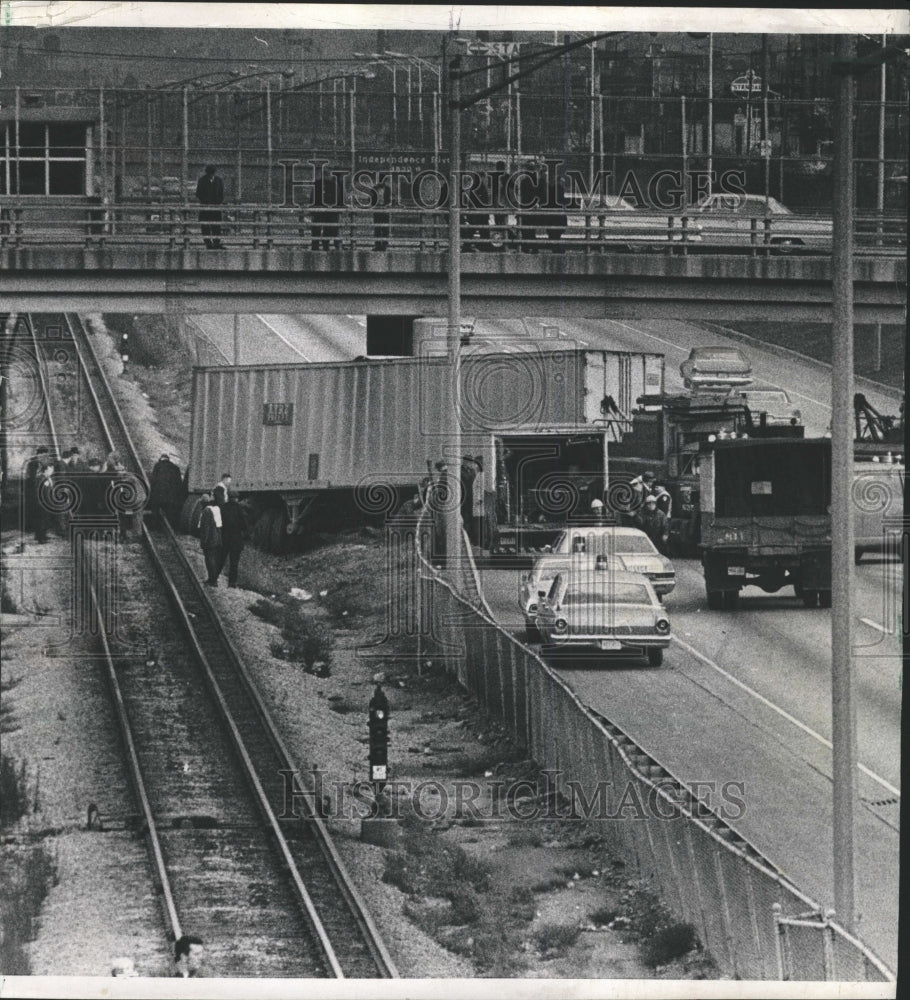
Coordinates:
663	625
561	625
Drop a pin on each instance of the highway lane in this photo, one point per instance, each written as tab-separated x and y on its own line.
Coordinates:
286	339
808	384
762	719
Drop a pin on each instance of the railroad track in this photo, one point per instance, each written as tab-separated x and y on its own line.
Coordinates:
269	895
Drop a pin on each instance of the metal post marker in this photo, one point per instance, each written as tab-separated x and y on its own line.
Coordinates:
843	704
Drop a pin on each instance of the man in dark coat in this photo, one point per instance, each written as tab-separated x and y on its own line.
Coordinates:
468	474
328	197
166	496
233	533
30	479
210	191
653	522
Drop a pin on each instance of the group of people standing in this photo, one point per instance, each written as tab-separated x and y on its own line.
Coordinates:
95	484
475	503
222	533
653	509
538	195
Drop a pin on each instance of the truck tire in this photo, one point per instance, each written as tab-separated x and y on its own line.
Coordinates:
857	555
824	598
279	540
731	600
655	657
715	600
810	598
190	513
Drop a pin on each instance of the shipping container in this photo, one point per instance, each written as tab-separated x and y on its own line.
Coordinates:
335	425
371	429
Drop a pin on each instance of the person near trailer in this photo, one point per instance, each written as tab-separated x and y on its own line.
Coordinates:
120	486
440	497
480	535
210	537
32	469
166	494
664	500
233	535
654	523
224	483
94	490
75	462
43	517
210	191
642	486
467	474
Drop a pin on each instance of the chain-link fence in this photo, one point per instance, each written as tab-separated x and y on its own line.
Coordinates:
748	916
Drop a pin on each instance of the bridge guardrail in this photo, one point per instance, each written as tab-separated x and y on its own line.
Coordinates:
754	922
35	221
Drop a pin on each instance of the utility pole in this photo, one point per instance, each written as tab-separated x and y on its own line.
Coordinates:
710	110
765	134
453	512
843	704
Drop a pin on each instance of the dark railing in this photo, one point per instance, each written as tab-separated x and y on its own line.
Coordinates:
37	222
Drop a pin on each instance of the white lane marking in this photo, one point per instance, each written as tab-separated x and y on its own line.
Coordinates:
281	337
875	625
780	711
653	336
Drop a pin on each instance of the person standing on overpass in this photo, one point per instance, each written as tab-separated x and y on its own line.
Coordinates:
210	191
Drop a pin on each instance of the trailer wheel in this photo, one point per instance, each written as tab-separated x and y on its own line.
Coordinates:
190	513
655	657
810	598
259	536
857	555
798	589
278	536
715	600
731	600
824	598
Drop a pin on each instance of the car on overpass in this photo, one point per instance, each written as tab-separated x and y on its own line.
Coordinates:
752	220
628	549
605	610
601	219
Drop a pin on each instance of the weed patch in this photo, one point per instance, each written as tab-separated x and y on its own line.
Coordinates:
26	877
304	641
669	942
553	939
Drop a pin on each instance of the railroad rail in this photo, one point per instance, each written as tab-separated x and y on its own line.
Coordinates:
301	902
73	223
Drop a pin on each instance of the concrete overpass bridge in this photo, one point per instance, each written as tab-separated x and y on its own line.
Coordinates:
151	259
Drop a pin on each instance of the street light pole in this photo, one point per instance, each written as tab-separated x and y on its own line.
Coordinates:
843	704
453	339
710	111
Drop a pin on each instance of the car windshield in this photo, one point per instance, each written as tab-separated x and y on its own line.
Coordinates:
605	544
768	396
550	569
616	593
718	354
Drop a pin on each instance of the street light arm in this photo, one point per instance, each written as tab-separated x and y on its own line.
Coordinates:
551	57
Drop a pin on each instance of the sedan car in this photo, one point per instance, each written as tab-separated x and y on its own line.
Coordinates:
628	549
612	612
536	584
747	220
776	404
721	367
602	219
